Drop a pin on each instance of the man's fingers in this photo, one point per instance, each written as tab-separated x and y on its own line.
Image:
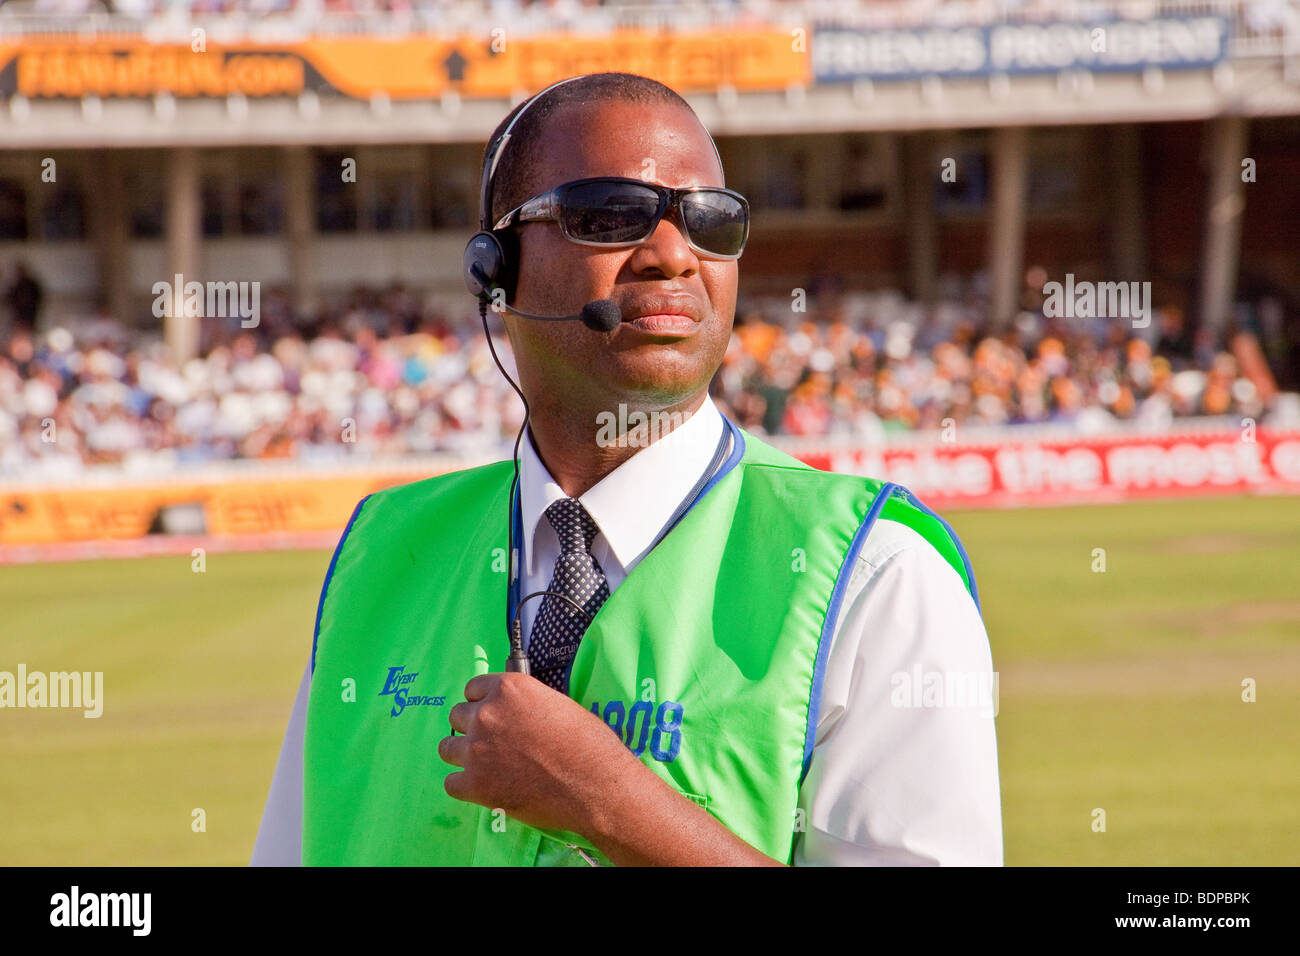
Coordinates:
455	785
461	715
454	750
480	686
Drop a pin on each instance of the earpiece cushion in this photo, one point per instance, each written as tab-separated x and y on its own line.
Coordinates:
483	263
491	261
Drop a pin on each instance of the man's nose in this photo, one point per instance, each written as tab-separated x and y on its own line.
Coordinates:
665	252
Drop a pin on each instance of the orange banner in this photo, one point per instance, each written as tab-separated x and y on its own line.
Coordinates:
40	516
409	68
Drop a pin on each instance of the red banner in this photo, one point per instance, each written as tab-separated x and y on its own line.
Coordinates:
1011	473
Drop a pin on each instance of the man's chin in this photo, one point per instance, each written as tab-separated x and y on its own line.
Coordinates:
659	376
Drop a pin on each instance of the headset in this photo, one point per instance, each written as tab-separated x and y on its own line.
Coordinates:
492	257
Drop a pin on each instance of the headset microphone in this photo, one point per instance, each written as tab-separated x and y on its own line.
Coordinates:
603	315
600	315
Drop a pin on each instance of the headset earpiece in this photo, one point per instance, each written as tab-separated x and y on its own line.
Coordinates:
491	262
483	260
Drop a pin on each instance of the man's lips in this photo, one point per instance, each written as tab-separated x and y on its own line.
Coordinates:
667	317
664	323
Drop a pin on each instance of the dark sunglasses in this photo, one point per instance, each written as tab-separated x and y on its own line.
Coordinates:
612	211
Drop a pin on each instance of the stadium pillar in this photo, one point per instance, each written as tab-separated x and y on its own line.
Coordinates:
1007	223
918	200
1125	215
182	237
1226	202
300	225
110	233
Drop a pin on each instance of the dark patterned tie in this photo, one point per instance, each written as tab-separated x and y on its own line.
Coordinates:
559	627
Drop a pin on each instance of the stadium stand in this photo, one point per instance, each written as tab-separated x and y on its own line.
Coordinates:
379	374
367	348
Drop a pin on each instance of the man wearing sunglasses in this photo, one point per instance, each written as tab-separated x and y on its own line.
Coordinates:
701	637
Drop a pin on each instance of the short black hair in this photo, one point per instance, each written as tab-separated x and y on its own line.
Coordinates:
510	186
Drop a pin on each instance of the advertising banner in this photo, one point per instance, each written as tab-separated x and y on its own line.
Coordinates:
1012	473
841	55
251	506
415	67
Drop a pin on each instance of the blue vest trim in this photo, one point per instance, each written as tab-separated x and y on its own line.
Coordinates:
737	453
832	616
965	558
320	605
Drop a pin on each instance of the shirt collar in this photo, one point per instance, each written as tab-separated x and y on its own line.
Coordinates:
633	502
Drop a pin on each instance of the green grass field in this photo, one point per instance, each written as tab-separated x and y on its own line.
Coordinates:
1119	690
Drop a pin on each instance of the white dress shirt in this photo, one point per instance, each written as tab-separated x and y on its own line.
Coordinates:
904	763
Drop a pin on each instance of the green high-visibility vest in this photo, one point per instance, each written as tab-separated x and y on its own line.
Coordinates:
707	660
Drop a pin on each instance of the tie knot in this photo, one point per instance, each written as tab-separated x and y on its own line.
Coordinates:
571	522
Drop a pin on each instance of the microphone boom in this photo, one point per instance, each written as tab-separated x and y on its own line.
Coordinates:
601	315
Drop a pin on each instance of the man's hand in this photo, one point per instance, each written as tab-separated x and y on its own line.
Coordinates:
550	763
533	752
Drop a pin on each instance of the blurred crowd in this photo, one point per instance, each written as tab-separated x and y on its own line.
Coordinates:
580	12
382	373
142	7
876	364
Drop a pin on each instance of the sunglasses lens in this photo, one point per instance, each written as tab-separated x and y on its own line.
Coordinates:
608	212
717	222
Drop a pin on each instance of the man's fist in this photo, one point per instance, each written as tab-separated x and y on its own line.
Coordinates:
534	753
